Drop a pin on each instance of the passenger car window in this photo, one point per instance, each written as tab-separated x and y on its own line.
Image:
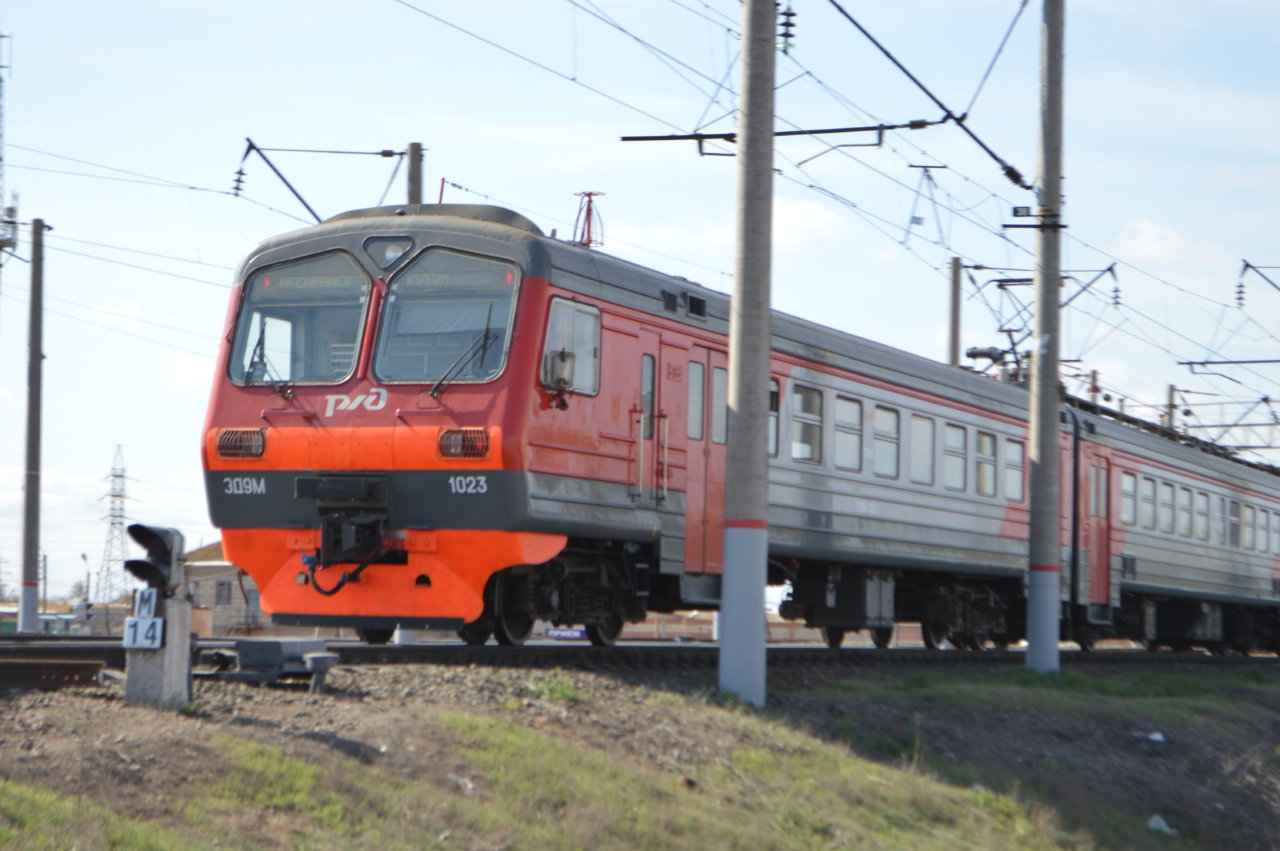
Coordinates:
886	441
774	394
848	433
1015	460
1148	507
923	450
1166	508
806	423
1184	512
1128	499
986	464
956	457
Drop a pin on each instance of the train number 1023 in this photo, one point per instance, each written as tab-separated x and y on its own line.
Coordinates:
468	484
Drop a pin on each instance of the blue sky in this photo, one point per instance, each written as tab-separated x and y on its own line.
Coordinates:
125	124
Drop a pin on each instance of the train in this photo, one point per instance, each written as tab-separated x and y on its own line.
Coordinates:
440	417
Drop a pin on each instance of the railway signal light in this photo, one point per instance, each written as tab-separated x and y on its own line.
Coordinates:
164	550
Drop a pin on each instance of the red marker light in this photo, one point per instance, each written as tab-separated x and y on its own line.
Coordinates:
511	277
266	283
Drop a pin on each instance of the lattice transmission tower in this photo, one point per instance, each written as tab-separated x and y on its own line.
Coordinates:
111	579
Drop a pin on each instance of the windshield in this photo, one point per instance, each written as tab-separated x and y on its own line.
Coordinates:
447	317
300	322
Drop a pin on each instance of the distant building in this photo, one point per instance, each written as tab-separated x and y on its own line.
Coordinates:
225	592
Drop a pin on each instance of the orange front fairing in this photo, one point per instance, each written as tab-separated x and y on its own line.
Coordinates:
443	580
411	445
444	570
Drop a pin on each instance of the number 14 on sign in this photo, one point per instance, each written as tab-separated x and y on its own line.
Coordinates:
143	633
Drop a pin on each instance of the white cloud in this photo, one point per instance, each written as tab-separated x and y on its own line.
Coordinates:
1147	242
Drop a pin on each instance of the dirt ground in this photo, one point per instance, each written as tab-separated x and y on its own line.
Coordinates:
1218	788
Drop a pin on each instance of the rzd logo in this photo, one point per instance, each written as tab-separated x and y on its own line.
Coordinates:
375	400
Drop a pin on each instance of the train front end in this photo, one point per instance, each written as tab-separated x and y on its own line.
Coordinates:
362	441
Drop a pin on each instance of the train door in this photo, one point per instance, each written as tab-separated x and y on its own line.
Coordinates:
708	431
650	426
1097	533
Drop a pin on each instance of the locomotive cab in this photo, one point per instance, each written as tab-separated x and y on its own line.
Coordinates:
354	448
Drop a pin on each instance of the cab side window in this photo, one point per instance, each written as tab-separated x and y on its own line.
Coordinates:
572	351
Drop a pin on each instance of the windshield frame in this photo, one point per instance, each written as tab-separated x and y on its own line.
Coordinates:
451	371
248	308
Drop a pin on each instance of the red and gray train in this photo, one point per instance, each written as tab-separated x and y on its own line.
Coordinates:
436	416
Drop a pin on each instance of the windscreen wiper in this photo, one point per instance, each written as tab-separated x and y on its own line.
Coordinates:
259	367
256	371
463	359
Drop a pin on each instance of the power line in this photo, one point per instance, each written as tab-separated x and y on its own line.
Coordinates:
1010	172
144	268
112	313
151	340
999	50
534	62
143	253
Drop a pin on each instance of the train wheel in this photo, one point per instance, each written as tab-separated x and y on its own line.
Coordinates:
477	632
881	636
605	634
933	634
833	636
512	628
375	636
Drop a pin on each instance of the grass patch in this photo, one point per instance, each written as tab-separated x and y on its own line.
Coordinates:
33	818
1154	696
264	778
340	803
791	793
557	689
1225	704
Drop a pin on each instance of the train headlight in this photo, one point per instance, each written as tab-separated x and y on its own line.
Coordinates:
464	443
242	442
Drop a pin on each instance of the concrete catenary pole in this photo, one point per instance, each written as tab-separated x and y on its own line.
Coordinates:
746	535
1044	609
953	339
28	617
415	172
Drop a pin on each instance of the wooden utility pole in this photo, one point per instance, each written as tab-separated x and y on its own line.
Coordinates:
746	534
1044	606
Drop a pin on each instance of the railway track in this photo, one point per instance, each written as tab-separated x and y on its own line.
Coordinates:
42	662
